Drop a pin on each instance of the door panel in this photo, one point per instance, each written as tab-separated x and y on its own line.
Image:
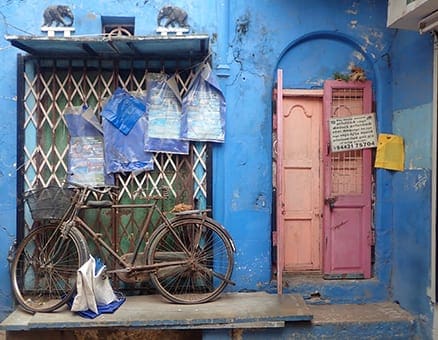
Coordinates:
301	181
343	227
347	188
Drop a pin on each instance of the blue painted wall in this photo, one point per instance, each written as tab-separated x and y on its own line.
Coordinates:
8	166
309	40
412	119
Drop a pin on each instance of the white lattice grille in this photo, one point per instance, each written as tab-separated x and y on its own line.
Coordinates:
50	85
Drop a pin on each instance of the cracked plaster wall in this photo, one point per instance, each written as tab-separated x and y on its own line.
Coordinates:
252	39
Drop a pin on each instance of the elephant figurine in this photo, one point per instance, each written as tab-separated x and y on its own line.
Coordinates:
174	15
56	15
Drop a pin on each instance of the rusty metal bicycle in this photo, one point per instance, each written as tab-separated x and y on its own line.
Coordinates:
189	257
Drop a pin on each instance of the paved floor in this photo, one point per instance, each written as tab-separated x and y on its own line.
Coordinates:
366	313
150	316
252	309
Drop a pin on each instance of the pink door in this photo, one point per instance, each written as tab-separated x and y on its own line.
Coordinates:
299	193
347	188
323	215
301	179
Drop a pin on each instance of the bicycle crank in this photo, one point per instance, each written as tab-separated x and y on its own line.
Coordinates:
132	276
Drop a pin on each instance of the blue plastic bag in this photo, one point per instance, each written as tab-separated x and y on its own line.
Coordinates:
86	163
163	107
203	109
125	152
123	110
102	309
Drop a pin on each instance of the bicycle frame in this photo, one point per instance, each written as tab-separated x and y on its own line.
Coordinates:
129	266
73	218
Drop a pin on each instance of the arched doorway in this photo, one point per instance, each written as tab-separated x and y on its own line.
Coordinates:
323	225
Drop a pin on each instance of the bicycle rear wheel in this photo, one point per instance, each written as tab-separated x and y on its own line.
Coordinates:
44	269
195	258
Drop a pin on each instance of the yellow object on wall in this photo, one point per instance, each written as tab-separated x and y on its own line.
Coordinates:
390	152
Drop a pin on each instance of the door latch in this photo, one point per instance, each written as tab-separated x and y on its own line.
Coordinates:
331	202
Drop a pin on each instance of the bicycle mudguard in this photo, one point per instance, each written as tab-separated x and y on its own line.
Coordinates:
228	235
184	214
192	212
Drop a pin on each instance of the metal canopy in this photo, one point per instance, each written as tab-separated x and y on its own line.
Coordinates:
194	47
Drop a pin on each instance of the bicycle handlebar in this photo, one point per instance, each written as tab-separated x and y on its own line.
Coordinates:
104	190
107	188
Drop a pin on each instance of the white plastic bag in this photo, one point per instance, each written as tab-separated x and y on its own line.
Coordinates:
93	288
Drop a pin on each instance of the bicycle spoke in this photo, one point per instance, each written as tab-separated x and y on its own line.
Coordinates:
44	270
197	231
209	261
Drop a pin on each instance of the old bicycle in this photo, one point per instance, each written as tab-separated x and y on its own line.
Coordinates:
189	257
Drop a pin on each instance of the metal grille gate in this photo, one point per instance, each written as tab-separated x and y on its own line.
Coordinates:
346	169
46	86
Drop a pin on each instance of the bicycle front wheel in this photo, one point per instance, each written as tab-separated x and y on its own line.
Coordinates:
44	269
194	258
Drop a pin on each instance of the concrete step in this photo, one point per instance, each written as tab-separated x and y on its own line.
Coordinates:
384	320
377	321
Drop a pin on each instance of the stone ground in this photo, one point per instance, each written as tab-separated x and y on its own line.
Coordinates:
164	320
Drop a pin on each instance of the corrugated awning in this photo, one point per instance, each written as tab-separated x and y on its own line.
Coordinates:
193	46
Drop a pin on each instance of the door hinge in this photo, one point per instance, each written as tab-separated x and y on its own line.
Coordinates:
274	238
372	237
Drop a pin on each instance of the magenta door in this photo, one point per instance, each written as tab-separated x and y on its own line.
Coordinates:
347	188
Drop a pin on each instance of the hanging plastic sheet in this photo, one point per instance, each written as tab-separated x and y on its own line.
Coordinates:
164	115
123	110
204	107
86	163
125	152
